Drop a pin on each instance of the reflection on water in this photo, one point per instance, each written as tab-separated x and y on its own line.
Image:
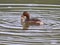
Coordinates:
11	32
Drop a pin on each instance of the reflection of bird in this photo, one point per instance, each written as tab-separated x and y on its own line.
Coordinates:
25	18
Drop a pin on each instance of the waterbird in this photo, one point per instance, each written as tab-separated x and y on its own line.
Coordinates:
26	20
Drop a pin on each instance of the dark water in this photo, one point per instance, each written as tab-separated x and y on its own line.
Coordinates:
11	32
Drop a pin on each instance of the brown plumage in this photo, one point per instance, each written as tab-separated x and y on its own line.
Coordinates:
33	21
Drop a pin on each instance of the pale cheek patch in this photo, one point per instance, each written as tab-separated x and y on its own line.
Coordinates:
23	18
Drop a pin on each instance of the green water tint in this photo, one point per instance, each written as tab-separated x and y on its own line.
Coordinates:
31	1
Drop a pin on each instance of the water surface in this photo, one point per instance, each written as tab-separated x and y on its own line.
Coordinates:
11	32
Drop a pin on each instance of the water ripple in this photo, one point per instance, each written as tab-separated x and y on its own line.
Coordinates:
11	32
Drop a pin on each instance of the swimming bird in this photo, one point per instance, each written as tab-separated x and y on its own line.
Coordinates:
25	18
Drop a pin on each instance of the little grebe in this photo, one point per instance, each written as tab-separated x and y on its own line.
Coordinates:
25	18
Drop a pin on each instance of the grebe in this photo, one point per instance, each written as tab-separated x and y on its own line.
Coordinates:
25	18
